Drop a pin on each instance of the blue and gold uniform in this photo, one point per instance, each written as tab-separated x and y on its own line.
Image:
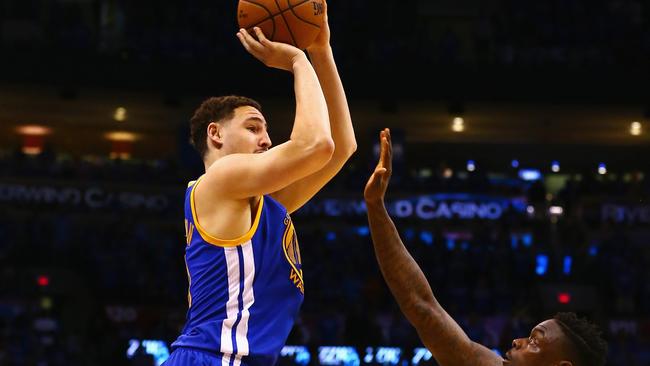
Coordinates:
244	294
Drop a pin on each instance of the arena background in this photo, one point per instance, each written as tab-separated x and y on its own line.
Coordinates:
520	186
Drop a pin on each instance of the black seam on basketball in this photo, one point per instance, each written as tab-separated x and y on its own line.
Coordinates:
272	15
287	24
265	19
297	16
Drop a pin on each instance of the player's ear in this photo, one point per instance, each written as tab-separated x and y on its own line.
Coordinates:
215	134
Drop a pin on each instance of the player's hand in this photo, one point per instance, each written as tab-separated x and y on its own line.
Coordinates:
323	39
376	187
272	54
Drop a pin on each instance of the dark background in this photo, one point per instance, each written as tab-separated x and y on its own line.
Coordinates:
91	233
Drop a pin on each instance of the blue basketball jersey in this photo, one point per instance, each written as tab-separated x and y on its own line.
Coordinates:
244	294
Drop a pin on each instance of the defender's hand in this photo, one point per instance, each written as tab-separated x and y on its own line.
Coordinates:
378	183
277	55
322	41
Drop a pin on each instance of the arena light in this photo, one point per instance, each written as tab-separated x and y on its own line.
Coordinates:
120	114
556	210
635	128
564	297
451	244
363	231
541	264
43	281
121	136
566	267
33	138
471	165
458	124
447	173
530	209
514	163
602	169
530	174
555	167
34	130
121	144
426	237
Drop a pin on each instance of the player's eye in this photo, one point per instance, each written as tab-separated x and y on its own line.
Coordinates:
252	128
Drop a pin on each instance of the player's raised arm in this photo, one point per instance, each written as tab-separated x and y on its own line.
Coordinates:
310	147
322	58
439	332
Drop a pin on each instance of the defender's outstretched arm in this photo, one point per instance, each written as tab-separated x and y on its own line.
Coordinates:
438	331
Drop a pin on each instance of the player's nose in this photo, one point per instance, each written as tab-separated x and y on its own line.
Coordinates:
265	142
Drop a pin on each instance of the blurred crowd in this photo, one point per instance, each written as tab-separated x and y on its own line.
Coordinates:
78	283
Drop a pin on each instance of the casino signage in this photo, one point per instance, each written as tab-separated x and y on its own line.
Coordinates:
94	197
625	213
425	207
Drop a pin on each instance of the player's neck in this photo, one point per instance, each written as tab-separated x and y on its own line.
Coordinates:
211	158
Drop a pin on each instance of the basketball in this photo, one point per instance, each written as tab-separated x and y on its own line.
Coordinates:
296	22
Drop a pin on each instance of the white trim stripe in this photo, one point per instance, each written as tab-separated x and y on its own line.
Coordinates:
248	299
232	305
225	360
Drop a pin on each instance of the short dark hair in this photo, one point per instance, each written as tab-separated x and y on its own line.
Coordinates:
585	337
215	109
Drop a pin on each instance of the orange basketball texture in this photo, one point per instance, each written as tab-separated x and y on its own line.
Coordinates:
296	22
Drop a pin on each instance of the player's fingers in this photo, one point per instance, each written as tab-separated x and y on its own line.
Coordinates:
244	41
260	36
380	162
244	37
389	151
385	152
387	134
252	42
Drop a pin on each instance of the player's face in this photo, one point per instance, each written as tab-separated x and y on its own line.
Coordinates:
542	348
247	132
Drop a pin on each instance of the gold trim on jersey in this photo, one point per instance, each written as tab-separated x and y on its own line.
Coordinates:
224	242
189	284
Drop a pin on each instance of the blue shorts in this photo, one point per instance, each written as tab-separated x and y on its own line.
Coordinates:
189	356
183	356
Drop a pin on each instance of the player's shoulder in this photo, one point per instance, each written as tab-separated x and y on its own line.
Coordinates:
193	183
